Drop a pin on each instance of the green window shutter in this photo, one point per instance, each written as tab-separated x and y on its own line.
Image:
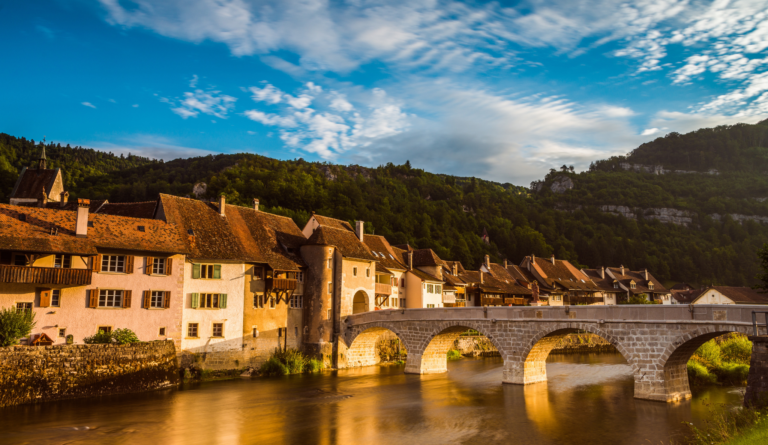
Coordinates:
222	301
195	271
195	301
217	271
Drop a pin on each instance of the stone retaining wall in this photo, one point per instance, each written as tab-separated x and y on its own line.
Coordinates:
42	374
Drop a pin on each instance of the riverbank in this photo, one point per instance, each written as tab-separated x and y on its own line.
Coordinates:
757	434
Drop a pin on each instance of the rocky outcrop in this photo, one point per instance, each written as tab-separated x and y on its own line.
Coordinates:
673	216
741	218
624	211
660	170
561	184
199	189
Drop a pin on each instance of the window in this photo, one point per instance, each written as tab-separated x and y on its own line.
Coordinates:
258	272
632	285
206	271
430	306
255	331
158	266
368	273
296	331
192	330
394	302
62	332
21	307
156	299
161	332
354	271
272	303
558	298
438	289
55	297
402	302
112	263
258	301
330	288
218	330
430	288
105	329
110	298
62	261
296	302
19	260
402	282
301	277
650	286
615	285
212	301
329	314
330	263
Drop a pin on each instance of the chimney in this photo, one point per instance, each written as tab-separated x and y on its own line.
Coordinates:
505	263
553	259
222	204
255	204
410	259
81	225
487	262
482	279
646	274
455	269
532	262
602	273
622	269
64	199
43	199
360	229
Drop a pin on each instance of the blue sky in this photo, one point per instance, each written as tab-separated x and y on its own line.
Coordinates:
499	90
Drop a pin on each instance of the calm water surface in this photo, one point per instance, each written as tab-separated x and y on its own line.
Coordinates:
587	400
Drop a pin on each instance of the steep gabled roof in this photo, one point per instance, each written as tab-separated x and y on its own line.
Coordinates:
459	266
32	182
426	258
520	274
425	276
347	242
131	209
278	238
641	284
206	234
105	232
559	273
384	252
739	295
605	284
327	221
686	296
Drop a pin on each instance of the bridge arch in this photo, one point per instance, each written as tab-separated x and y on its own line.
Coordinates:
674	363
528	365
359	346
430	355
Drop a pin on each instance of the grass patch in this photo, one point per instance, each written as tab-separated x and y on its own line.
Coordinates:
454	354
728	425
289	361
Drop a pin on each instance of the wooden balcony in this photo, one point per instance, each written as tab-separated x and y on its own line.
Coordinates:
383	289
281	284
45	275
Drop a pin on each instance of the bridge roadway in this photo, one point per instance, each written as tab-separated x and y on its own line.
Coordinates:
656	340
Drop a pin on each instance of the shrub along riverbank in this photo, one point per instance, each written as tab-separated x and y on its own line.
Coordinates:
289	361
723	360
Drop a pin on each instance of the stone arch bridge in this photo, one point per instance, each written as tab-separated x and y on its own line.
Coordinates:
656	341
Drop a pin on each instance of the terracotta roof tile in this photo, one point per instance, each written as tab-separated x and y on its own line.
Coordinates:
425	276
384	252
347	242
641	284
426	257
32	182
333	222
278	238
740	295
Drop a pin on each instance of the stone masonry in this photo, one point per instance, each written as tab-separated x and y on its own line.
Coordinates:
656	341
757	384
46	373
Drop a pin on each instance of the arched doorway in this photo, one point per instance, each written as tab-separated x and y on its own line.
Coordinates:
360	302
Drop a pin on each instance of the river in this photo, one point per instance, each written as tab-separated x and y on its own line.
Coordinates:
587	400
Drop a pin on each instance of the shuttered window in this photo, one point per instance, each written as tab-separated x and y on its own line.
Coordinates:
110	298
206	271
209	301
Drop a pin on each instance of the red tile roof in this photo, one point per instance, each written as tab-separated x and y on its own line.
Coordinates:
347	242
333	222
426	258
32	182
425	276
384	252
739	295
605	284
278	238
641	284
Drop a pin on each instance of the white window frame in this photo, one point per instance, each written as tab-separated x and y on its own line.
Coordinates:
157	299
55	297
158	266
62	261
113	263
111	298
62	332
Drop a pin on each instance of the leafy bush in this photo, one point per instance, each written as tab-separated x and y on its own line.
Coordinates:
274	367
289	361
698	374
454	354
732	373
736	349
708	355
99	338
124	336
638	299
314	365
15	325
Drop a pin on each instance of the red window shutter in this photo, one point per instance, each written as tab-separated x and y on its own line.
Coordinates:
94	300
45	297
145	302
167	300
148	265
169	266
127	299
129	264
96	263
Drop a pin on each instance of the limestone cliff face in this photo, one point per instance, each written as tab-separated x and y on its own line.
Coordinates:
660	170
741	218
561	184
666	215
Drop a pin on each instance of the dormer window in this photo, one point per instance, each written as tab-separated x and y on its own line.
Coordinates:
632	285
650	286
615	284
191	232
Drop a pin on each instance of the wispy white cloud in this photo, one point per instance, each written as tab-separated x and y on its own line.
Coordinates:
207	102
88	104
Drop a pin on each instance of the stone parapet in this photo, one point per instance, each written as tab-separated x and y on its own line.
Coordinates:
42	374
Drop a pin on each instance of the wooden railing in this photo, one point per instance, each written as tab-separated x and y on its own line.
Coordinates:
281	283
515	301
45	275
383	289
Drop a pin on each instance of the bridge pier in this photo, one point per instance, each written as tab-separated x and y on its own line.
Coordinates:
434	358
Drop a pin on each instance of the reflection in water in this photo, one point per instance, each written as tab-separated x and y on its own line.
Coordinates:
588	399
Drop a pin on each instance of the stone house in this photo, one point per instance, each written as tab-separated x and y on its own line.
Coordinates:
81	272
341	274
560	282
633	283
390	273
608	290
39	184
730	295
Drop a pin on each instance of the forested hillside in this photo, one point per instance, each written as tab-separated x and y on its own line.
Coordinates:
449	213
